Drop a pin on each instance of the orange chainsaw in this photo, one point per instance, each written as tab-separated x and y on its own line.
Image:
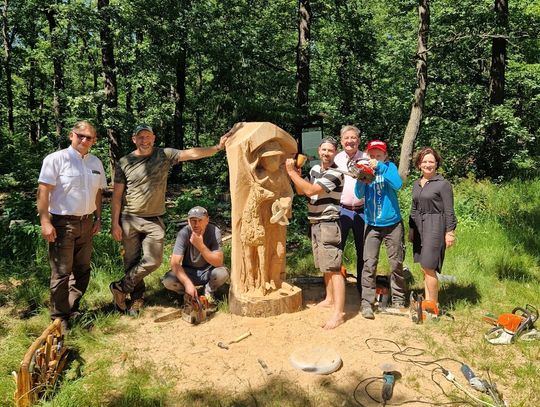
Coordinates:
195	309
422	309
359	169
510	326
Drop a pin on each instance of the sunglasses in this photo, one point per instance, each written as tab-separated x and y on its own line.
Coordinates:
82	137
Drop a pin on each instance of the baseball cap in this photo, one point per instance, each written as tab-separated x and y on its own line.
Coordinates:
142	127
378	144
197	212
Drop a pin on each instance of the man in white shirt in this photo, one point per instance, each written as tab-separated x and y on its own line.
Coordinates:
352	208
69	207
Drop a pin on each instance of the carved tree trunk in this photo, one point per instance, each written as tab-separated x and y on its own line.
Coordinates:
415	118
491	156
303	55
109	75
58	69
8	51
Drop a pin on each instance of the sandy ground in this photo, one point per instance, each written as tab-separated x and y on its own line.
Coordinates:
189	353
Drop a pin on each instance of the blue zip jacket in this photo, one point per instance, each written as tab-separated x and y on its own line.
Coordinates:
381	207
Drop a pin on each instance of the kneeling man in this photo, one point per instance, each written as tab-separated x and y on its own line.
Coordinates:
197	257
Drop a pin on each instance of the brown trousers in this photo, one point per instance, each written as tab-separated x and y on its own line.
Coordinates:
69	257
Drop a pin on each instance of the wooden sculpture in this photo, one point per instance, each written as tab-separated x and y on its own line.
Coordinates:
41	366
261	197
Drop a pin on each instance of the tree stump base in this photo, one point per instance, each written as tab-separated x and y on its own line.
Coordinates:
287	299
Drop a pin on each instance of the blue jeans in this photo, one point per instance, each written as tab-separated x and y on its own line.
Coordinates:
354	220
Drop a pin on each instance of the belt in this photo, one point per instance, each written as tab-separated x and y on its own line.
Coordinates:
73	217
315	222
353	208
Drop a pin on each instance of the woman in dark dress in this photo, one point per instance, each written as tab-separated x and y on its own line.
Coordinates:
432	221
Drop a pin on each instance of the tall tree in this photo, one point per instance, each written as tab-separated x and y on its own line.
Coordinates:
110	84
8	34
344	79
415	118
491	159
303	56
57	54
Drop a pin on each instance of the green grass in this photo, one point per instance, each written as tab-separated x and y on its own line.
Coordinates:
496	263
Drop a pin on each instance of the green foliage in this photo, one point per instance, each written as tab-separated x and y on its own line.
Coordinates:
362	71
20	235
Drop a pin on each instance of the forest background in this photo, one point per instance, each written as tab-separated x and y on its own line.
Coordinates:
191	69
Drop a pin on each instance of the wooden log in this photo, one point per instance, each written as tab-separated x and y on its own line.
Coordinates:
287	299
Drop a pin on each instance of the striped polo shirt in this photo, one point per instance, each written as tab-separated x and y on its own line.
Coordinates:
325	206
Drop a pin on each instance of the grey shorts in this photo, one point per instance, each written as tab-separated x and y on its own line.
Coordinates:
326	244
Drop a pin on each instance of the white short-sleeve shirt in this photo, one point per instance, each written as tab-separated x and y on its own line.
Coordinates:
76	180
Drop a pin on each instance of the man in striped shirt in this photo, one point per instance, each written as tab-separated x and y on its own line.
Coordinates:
324	189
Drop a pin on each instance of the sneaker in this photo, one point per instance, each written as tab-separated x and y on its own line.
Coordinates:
367	313
136	307
119	297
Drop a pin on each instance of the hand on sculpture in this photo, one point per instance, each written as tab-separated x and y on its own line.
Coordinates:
279	213
234	129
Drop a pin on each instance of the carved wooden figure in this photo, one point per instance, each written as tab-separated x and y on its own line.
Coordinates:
261	197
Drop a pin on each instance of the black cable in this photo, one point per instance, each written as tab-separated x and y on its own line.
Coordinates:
407	352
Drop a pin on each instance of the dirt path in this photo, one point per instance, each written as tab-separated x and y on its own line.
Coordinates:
190	355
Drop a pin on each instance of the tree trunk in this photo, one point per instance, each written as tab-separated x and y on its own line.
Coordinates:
32	103
415	118
58	69
180	99
345	88
109	75
491	155
8	50
498	56
140	88
303	55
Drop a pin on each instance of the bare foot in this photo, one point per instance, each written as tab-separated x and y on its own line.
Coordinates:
335	321
326	303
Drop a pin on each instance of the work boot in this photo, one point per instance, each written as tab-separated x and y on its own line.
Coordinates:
136	307
119	297
367	312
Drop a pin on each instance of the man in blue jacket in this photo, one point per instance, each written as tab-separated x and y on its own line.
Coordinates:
383	223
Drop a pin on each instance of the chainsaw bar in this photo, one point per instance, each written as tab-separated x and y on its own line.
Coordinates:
169	317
